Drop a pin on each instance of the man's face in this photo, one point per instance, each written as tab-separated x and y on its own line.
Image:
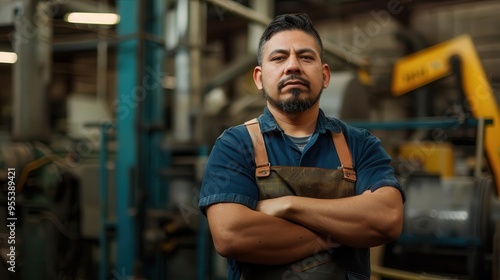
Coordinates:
292	75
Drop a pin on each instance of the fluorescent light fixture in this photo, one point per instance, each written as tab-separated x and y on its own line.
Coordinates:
8	57
93	18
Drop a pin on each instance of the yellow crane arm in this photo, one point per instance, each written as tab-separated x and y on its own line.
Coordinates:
423	67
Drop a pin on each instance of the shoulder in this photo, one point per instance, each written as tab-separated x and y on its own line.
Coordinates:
235	132
359	140
233	140
232	147
350	131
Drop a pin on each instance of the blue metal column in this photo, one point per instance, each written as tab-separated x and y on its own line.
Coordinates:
126	136
139	121
153	128
153	111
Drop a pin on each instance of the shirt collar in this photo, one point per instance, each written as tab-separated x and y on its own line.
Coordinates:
268	123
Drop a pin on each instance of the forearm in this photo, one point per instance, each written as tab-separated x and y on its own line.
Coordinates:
259	238
365	220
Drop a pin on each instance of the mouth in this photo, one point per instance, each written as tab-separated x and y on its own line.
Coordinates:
293	81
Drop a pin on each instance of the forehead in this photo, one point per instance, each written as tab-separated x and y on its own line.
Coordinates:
290	39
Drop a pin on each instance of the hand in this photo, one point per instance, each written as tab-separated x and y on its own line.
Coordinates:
274	206
277	207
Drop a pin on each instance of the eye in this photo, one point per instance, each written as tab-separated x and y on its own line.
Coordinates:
307	57
277	58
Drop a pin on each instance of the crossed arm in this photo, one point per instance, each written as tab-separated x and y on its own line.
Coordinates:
288	228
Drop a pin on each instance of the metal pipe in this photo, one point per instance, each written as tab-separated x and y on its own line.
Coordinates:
104	195
329	47
102	59
140	185
403	275
182	110
479	147
238	9
126	131
196	39
255	30
495	212
233	70
30	79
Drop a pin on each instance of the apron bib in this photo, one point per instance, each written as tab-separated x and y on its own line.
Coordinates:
277	181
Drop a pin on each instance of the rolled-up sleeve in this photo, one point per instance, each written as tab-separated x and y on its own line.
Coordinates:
229	175
373	165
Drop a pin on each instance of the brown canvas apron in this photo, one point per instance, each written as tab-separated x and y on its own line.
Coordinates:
277	181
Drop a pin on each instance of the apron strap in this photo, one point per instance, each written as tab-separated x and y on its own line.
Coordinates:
261	160
344	156
264	167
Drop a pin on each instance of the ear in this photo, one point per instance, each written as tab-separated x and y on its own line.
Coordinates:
326	75
257	77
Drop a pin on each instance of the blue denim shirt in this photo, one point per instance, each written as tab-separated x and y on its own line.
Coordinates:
230	170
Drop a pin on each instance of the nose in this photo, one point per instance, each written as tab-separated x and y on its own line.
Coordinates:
293	65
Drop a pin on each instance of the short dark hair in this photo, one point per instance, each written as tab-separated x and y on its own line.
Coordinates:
287	22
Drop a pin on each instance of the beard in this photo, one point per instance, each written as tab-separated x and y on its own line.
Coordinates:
296	103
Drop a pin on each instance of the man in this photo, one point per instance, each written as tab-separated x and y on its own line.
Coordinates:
295	194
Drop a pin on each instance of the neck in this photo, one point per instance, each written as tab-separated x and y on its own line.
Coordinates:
296	124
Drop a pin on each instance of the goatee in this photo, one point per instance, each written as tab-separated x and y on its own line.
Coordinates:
294	104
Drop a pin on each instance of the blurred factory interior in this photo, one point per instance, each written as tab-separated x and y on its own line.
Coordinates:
105	128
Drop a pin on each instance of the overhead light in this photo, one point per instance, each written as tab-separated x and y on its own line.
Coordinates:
93	18
8	57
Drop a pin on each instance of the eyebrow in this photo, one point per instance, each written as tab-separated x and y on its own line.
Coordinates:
299	51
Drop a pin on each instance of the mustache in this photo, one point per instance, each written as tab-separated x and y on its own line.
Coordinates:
303	80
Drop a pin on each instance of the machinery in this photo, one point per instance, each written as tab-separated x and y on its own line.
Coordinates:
456	57
451	222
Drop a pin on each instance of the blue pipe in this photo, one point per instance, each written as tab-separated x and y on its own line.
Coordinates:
139	114
128	93
103	188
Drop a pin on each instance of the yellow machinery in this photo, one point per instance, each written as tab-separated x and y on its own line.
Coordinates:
441	60
458	217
